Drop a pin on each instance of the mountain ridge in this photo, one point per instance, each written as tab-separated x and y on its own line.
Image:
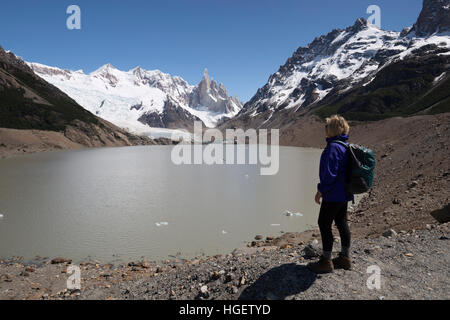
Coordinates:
31	104
342	64
139	99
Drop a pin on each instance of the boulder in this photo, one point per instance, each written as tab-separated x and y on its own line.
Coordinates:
442	215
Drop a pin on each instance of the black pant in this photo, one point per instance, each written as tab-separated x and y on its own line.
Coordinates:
336	211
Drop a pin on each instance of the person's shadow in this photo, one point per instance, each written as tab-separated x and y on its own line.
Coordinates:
279	283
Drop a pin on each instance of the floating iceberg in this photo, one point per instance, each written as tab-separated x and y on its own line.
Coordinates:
1	216
290	214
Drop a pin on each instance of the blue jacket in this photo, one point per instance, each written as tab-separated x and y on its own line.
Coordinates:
332	171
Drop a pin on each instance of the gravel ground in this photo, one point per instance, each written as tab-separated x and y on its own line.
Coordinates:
412	265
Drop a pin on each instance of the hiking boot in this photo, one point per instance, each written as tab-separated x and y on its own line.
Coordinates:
321	266
342	262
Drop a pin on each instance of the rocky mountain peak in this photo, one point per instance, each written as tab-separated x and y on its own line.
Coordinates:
360	24
205	83
105	69
434	18
213	96
206	75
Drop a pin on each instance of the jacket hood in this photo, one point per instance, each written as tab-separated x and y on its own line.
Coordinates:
342	137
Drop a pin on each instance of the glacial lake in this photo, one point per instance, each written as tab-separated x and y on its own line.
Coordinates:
121	204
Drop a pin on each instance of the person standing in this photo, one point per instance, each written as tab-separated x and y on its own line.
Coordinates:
331	190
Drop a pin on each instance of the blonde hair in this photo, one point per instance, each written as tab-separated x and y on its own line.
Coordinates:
337	125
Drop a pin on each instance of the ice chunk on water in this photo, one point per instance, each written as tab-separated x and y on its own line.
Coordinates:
275	225
290	214
1	216
224	232
162	223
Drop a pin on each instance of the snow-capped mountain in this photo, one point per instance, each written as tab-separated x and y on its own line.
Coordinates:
139	99
344	59
27	102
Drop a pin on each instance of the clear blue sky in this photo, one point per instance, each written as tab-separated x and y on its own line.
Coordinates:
241	42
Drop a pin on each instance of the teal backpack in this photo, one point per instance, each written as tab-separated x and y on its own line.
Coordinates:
360	170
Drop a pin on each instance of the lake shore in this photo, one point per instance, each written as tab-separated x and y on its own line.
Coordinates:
14	142
413	266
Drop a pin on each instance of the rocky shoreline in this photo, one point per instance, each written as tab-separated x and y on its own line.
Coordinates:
413	265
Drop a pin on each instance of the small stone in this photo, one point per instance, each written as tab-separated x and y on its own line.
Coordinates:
215	275
389	233
242	282
258	237
229	277
59	260
29	269
409	255
413	184
312	250
204	291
